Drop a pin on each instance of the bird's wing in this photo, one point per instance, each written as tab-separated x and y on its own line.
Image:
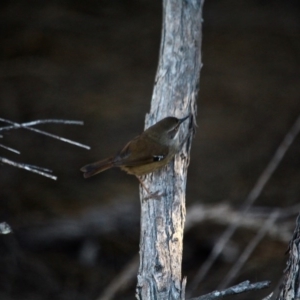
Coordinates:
140	152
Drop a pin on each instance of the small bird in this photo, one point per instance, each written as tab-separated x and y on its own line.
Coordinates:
151	150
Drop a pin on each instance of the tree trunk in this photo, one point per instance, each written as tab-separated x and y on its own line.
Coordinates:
175	91
290	288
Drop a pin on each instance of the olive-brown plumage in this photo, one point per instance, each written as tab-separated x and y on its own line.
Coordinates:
151	150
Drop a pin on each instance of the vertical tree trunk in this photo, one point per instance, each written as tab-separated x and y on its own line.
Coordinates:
175	91
290	287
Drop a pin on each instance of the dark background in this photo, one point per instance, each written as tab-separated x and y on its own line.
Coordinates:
95	61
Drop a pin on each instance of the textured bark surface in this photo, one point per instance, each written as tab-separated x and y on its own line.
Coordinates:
290	288
175	91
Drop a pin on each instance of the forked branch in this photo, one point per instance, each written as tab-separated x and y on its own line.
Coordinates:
28	125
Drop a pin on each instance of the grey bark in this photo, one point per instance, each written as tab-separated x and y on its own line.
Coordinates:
175	92
290	288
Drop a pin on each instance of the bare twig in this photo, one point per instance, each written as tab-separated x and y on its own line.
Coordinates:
29	124
224	214
39	168
35	169
37	122
183	287
253	195
30	168
10	149
248	250
128	272
242	287
268	297
254	220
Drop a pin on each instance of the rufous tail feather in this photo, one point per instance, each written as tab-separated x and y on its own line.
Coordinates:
97	167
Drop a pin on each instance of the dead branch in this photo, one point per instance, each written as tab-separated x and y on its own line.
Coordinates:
28	125
121	280
174	94
30	168
255	219
252	196
32	123
10	149
242	287
224	214
248	250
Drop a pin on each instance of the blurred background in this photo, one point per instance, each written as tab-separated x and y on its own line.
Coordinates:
95	61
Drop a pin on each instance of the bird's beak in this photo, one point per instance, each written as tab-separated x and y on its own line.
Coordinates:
183	119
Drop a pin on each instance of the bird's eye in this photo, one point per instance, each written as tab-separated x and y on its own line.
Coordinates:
175	129
172	133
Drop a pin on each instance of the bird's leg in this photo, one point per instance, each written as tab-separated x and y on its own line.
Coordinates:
143	185
155	195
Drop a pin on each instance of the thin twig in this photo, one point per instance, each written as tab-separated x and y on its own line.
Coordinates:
253	195
10	149
37	122
27	126
248	250
183	287
276	290
128	272
242	287
268	297
224	214
39	168
30	168
202	213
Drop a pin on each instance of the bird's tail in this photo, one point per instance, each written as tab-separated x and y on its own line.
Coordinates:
97	167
